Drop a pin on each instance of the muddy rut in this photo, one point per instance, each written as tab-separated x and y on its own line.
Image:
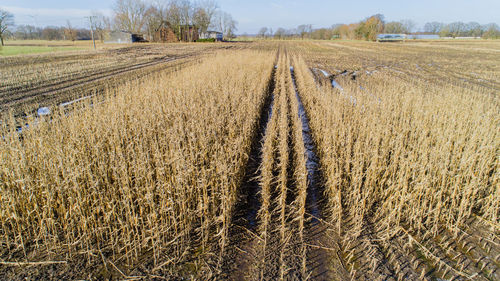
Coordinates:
282	227
278	230
468	253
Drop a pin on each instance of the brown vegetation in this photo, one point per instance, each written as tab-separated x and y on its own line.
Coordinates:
156	178
404	160
148	176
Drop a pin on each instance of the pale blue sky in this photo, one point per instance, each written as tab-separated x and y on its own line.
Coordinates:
252	15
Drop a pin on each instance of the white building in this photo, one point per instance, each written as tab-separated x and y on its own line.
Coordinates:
218	36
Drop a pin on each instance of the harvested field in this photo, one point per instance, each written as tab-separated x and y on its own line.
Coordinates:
300	160
34	81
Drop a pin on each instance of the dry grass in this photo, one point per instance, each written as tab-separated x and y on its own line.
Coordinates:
399	154
153	169
284	183
409	152
32	81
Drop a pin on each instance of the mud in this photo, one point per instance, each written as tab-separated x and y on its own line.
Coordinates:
312	161
324	260
242	255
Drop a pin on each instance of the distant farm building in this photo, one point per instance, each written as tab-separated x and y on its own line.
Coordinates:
391	37
189	33
123	37
424	36
166	33
218	36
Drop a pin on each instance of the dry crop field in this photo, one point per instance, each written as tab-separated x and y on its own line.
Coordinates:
297	160
33	81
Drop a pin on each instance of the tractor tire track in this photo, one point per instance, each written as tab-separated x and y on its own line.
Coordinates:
269	255
75	88
242	254
323	259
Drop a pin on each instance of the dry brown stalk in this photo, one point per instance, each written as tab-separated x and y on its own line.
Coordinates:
158	161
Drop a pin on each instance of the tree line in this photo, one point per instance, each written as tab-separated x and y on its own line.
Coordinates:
369	28
134	16
139	16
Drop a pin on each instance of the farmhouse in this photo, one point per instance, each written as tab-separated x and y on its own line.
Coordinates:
166	33
218	36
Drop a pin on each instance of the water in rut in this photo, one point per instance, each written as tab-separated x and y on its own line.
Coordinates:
312	163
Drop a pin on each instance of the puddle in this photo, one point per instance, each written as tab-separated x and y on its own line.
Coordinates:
64	104
248	204
397	71
326	74
337	85
20	129
43	111
312	161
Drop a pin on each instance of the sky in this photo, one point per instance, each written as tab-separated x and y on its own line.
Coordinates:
254	14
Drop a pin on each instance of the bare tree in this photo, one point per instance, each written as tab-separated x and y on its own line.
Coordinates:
394	27
303	30
226	24
456	29
408	26
154	18
6	21
280	33
102	24
53	33
21	32
69	32
433	27
27	32
179	15
474	29
204	13
263	32
130	15
491	31
173	16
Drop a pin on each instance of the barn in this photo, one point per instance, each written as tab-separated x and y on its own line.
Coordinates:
117	36
123	37
166	33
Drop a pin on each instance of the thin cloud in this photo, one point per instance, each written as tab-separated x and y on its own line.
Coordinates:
276	5
62	13
52	16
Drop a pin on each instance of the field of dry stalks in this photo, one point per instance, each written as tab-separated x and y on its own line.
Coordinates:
409	156
147	177
287	161
33	81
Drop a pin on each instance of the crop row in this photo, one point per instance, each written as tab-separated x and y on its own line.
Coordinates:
151	170
403	161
